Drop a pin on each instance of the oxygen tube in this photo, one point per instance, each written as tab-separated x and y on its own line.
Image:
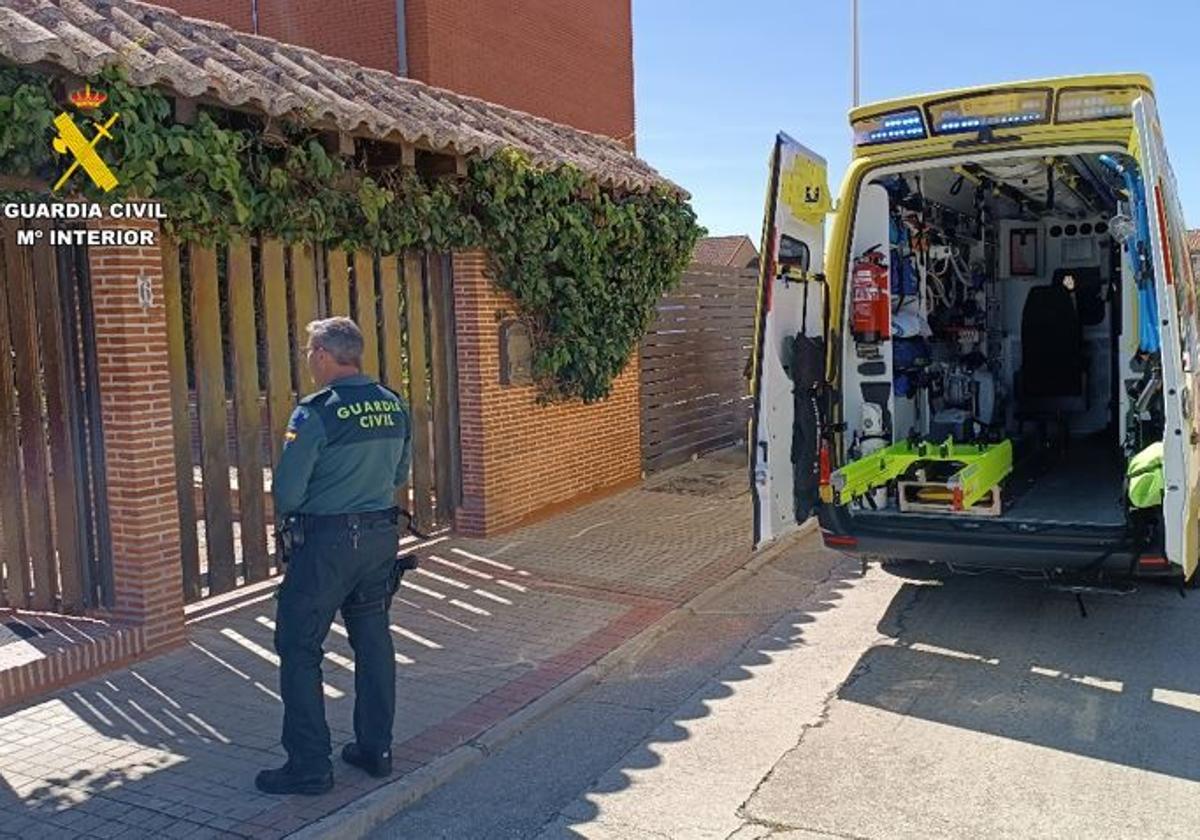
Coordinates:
1139	254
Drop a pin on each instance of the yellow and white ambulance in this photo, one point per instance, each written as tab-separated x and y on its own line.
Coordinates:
992	361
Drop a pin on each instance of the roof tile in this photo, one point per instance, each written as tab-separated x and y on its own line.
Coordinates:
202	59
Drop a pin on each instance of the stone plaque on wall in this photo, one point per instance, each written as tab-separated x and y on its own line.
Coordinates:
516	353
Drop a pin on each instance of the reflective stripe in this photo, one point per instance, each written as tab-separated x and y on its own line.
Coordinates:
1163	233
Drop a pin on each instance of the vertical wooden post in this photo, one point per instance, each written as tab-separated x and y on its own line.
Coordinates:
56	372
22	324
393	374
364	290
280	399
304	304
418	389
210	402
339	282
189	548
12	535
443	431
244	344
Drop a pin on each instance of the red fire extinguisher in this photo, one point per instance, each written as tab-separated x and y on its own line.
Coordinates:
871	318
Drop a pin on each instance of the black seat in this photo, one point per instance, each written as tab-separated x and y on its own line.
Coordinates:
1053	377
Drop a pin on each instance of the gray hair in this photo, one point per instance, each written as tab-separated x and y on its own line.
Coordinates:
340	337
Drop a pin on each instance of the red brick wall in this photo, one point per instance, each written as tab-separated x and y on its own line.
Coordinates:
519	458
568	60
235	13
131	345
363	31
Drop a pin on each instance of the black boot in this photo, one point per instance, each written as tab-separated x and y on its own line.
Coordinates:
283	780
379	766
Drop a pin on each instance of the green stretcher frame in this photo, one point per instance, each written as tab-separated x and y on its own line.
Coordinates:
985	466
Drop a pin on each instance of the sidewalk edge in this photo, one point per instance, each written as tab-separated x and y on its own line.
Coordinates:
361	816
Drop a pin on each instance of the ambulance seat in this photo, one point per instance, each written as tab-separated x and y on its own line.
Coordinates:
1053	375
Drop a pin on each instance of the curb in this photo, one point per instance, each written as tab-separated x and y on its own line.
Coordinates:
361	816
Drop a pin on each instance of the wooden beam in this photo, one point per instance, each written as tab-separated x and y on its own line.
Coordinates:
408	155
189	548
340	143
364	291
279	358
418	391
27	361
56	371
210	408
244	346
12	535
460	166
186	109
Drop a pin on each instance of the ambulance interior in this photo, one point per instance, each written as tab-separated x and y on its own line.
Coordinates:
1018	318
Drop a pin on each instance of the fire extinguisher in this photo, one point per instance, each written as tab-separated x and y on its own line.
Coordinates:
871	318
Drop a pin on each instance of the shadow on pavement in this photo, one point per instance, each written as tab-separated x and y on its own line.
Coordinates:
1012	659
599	742
169	746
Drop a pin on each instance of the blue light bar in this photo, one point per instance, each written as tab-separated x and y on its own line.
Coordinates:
890	128
990	109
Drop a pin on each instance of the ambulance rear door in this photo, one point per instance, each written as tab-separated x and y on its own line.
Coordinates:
789	343
1180	324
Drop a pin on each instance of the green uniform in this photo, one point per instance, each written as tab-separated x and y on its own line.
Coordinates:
346	450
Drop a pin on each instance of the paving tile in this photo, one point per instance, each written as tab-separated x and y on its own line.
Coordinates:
573	592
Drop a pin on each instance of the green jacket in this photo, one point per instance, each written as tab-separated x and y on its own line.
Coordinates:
346	450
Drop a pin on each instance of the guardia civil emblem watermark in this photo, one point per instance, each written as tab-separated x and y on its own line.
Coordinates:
71	140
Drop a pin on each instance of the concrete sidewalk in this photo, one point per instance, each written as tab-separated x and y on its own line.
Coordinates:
169	747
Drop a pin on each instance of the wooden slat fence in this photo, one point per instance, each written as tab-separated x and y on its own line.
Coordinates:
53	529
693	364
237	318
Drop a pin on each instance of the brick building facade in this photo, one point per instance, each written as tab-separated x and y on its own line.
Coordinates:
519	460
570	61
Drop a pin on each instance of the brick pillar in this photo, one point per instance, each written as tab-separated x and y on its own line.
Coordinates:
522	460
135	396
478	353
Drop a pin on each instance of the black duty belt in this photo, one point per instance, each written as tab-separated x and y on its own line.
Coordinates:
350	520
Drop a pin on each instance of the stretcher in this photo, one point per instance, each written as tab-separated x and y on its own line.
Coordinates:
985	465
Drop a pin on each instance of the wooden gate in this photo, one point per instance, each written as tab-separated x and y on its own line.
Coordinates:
236	329
54	537
693	364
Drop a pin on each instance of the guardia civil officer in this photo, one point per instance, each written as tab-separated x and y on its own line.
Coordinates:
346	450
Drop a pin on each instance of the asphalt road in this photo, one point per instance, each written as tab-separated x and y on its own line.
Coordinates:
812	702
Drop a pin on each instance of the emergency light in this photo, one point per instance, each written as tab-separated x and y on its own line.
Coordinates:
989	110
1085	104
890	128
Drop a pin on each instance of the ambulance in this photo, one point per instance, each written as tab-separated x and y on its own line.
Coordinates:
985	352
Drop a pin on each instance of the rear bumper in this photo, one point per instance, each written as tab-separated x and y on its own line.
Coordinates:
977	543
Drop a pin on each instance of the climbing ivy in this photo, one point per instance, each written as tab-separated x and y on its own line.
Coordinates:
585	264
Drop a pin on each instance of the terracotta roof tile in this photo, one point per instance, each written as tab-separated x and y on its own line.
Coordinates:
722	250
196	58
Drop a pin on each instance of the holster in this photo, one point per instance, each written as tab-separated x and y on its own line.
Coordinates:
403	563
289	535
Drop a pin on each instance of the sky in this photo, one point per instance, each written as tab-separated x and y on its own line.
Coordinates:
716	79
